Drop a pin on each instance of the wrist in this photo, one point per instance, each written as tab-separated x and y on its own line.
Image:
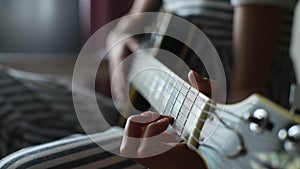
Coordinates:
131	23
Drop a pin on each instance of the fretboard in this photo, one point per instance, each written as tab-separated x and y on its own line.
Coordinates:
168	93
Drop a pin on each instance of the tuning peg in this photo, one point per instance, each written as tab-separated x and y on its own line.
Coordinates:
291	138
259	121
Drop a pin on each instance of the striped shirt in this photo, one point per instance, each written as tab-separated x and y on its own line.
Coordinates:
34	110
215	19
216	16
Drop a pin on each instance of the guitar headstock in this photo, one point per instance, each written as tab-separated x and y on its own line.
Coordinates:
239	134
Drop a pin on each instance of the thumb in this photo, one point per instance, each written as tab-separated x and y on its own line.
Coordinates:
133	44
202	84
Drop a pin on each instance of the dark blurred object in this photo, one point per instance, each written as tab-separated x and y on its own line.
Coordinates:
97	13
104	11
94	15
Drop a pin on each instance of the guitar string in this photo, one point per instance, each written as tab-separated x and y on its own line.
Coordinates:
199	113
183	128
221	119
200	119
212	140
193	102
203	120
189	109
191	134
194	105
210	104
184	105
171	74
200	142
196	120
185	120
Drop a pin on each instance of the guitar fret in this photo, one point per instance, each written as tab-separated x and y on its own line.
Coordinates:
167	108
177	86
199	101
191	122
177	126
184	91
193	114
177	93
160	96
181	119
184	110
169	94
157	85
190	119
166	88
184	127
180	97
182	106
188	103
177	97
192	96
195	110
169	89
184	113
176	108
171	100
194	91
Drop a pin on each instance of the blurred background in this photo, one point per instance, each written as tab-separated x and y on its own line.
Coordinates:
46	35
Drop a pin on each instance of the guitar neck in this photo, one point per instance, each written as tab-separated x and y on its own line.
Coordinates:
168	93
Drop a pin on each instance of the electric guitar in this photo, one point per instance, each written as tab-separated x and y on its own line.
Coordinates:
229	136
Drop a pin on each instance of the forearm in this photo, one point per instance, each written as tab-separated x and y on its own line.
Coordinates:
139	6
145	6
255	35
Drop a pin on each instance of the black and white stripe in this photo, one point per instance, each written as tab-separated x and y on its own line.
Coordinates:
80	152
25	107
36	109
215	17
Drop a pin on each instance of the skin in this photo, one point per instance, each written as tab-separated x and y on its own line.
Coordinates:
128	46
255	35
153	125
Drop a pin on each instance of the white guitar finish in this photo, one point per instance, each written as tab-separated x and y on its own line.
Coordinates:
232	135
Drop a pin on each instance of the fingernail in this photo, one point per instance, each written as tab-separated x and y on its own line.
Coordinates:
146	113
163	120
136	46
